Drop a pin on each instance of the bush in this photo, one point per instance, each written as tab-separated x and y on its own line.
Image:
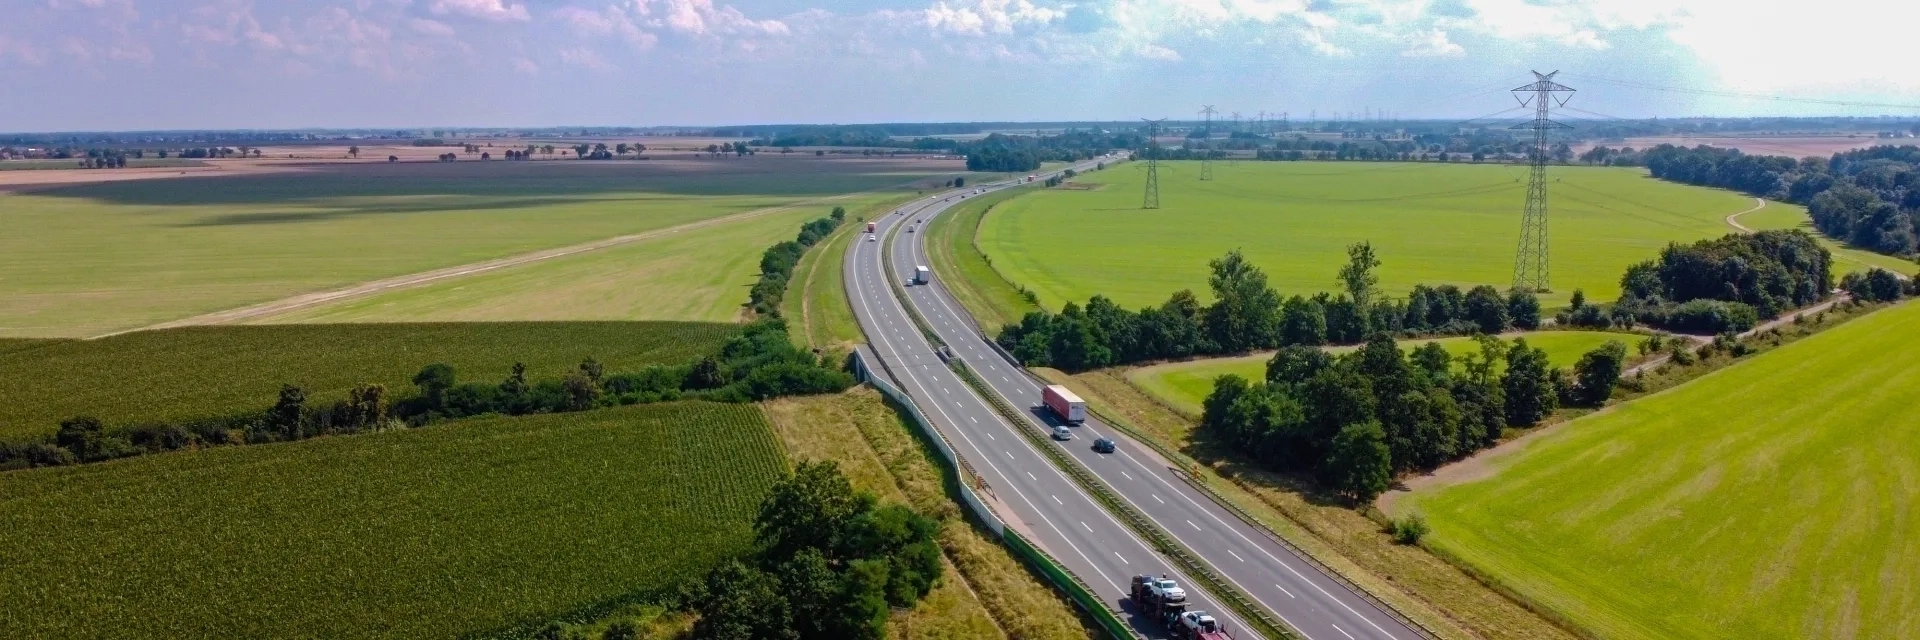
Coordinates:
1710	317
1409	529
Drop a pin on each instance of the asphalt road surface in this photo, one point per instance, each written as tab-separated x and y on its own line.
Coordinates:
1069	524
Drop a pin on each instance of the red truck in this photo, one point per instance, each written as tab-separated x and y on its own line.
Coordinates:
870	227
1064	403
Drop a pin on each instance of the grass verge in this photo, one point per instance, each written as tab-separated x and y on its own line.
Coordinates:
475	528
817	310
969	274
886	458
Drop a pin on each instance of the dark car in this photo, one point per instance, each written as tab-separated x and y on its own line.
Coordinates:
1103	445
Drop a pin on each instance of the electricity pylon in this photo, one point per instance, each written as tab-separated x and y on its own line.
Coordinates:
1530	262
1206	147
1152	198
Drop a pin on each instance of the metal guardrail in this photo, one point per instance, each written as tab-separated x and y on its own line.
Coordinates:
1230	595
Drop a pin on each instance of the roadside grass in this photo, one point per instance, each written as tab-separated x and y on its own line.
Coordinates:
91	259
464	529
200	372
816	307
872	443
1185	385
1765	499
1430	223
1427	588
968	274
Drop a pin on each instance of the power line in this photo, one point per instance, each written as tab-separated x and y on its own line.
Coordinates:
1530	262
1752	96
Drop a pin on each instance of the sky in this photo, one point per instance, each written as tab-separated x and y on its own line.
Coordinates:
71	65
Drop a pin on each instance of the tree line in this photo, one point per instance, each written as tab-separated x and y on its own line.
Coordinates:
778	262
1726	284
1353	421
1865	197
1247	315
757	364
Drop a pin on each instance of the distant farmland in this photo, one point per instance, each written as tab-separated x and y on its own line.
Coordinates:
202	372
1771	499
86	260
1430	223
444	531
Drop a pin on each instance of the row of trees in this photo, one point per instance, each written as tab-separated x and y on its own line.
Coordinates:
828	564
1866	197
1354	421
777	263
759	363
1247	314
1727	284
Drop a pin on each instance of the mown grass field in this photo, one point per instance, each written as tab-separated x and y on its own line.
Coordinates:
87	260
965	271
1770	499
1430	223
1780	215
698	275
201	372
442	531
1184	385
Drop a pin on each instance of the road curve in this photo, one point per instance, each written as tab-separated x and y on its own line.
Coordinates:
1291	588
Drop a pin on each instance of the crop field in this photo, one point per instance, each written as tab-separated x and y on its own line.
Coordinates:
1184	385
210	371
443	531
697	275
92	259
1429	223
1770	499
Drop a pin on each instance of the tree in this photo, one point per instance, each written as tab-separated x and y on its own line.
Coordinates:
84	436
593	370
1578	300
1294	365
1302	322
1523	308
352	151
1245	311
1486	309
1528	385
809	510
1358	276
1597	371
739	602
1358	465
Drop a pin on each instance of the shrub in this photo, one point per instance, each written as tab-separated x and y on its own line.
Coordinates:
1409	529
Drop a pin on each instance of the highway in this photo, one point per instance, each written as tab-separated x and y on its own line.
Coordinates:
1070	525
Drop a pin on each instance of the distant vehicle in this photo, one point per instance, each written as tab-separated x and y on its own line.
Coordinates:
1103	445
870	237
871	227
1064	403
1061	433
1029	179
922	275
909	228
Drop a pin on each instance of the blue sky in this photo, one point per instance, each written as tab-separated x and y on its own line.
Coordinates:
152	64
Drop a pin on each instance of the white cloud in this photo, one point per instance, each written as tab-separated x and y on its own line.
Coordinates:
584	58
696	18
1433	43
982	17
491	10
430	27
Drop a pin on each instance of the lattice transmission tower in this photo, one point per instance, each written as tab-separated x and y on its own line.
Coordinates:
1206	144
1530	263
1152	198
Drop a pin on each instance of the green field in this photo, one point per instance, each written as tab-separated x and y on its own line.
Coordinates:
1430	223
1780	215
442	531
87	260
211	371
1770	499
699	274
1184	385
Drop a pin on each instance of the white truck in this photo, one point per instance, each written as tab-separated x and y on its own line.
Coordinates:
922	275
1064	403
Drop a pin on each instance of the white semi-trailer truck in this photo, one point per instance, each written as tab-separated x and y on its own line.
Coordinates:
1064	403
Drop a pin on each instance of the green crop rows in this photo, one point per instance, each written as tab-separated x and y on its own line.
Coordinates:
444	531
211	371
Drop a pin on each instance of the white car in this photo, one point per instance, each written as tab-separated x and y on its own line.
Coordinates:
870	237
1061	433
